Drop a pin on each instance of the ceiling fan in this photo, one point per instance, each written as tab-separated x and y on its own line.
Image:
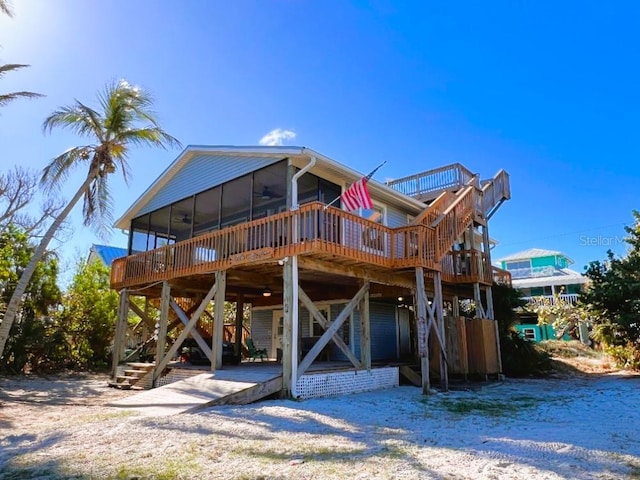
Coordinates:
267	194
185	219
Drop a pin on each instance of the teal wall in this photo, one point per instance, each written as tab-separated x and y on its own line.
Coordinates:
574	288
549	261
541	332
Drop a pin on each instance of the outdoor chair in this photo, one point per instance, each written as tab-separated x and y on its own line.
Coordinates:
255	352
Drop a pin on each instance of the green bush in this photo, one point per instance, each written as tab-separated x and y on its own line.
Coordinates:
523	358
625	356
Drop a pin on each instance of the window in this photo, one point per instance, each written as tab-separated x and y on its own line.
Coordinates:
519	269
529	333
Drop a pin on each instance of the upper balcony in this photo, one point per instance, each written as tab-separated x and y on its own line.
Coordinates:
326	233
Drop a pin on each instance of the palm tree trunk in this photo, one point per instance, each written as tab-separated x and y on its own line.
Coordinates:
25	278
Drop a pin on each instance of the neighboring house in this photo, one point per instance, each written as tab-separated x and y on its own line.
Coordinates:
368	290
542	274
106	254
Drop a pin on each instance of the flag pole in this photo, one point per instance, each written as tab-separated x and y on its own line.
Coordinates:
368	177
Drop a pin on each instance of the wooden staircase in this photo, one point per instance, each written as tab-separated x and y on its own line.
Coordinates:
135	376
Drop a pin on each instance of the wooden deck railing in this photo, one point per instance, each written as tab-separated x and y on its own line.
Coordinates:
317	230
466	266
501	276
495	191
455	219
428	185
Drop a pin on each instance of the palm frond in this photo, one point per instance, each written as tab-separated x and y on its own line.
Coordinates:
153	136
10	67
10	97
98	206
125	104
5	7
59	168
78	118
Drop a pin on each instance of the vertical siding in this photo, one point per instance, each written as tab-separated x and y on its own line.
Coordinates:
396	217
383	332
201	173
261	325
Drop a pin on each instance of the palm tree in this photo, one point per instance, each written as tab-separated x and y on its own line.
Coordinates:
125	119
8	97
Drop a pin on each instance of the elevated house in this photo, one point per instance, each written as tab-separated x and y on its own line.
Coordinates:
344	300
543	277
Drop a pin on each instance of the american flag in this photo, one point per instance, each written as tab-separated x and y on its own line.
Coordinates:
357	195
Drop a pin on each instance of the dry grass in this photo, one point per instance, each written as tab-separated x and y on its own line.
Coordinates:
574	357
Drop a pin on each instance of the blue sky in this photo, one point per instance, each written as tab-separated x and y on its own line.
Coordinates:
546	90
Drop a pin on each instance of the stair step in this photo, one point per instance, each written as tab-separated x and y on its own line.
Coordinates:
135	373
120	385
137	365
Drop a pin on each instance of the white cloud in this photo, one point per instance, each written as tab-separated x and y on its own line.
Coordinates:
277	136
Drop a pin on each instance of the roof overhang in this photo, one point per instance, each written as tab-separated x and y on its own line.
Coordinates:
548	281
299	156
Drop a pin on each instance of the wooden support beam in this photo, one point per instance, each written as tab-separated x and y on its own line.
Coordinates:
491	315
324	323
477	298
185	319
365	331
290	315
455	306
439	317
386	278
218	320
117	353
409	374
333	328
422	329
489	296
161	341
143	316
189	325
237	348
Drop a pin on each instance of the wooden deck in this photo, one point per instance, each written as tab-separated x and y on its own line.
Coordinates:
331	235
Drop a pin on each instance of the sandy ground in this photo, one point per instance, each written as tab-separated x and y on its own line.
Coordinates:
577	426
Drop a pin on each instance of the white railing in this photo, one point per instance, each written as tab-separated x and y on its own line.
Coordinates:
571	298
428	185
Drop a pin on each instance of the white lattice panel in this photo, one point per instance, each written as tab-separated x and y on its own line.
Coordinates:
175	375
341	383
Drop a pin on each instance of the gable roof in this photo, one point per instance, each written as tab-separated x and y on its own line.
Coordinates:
107	253
300	156
533	253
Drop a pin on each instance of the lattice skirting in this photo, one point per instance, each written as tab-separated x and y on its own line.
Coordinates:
340	383
177	374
